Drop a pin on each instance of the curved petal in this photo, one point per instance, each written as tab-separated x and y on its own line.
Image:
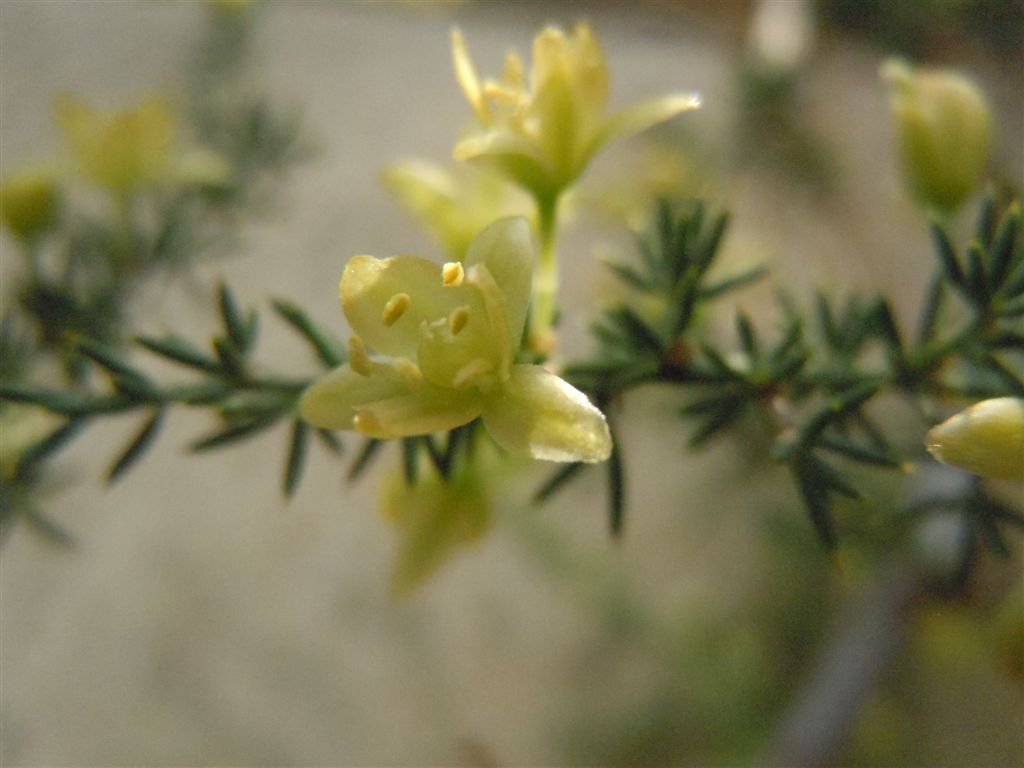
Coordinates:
644	115
539	415
590	70
421	411
368	284
468	79
506	249
434	519
330	402
514	155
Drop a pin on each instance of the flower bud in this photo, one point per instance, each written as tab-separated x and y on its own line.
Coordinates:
944	131
986	439
28	203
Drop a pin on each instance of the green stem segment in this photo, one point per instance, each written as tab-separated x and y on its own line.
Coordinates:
541	334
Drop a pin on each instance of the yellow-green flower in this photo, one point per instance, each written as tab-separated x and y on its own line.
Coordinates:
119	150
29	202
986	439
434	519
454	205
129	150
451	335
542	133
944	131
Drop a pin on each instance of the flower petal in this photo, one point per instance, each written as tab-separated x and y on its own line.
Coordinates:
468	79
644	115
368	284
421	411
513	154
590	70
330	402
435	519
539	415
506	249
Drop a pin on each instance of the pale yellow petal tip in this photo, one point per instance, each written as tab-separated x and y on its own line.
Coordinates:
597	446
688	101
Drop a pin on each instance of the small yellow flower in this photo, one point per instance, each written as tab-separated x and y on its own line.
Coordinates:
453	205
120	151
542	133
29	202
452	335
944	130
433	519
986	439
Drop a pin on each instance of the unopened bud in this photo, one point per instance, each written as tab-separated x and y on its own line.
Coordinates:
28	203
986	439
944	131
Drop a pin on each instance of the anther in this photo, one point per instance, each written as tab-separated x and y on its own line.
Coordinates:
395	308
471	370
408	370
358	359
457	320
452	273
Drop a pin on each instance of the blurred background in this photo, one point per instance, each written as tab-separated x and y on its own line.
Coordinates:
199	619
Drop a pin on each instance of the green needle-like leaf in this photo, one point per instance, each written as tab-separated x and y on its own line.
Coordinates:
234	324
616	487
235	433
947	256
298	447
52	443
365	457
137	447
328	351
558	480
181	351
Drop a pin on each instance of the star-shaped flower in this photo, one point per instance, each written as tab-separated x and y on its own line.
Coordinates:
543	133
451	335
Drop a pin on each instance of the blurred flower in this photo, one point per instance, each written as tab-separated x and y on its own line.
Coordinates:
453	205
944	131
123	150
127	150
201	167
462	324
29	202
986	439
781	34
542	134
434	518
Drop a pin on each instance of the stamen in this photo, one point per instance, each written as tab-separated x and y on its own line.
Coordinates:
471	370
452	273
358	359
408	370
395	308
457	319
